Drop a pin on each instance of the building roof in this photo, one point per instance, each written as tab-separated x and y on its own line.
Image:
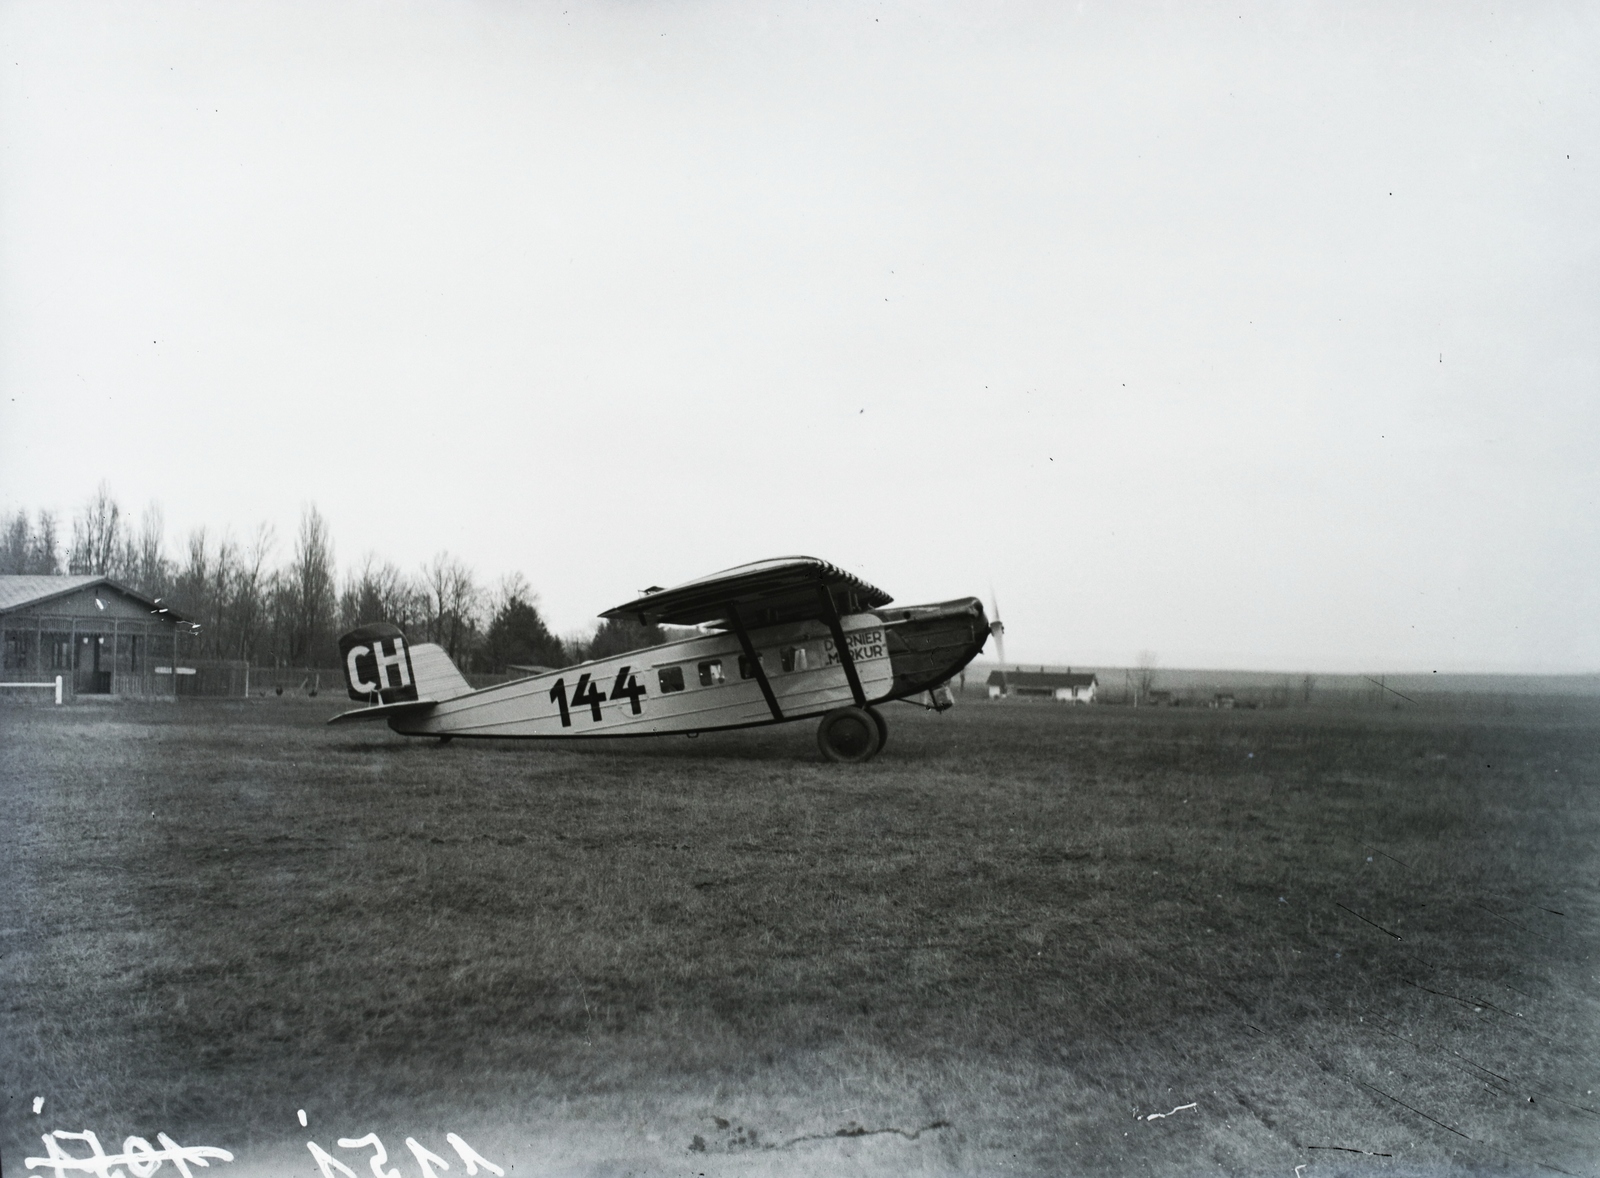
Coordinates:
19	592
1041	679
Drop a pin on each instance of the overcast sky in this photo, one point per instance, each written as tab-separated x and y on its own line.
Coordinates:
1251	335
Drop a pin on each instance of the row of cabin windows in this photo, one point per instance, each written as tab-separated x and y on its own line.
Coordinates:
790	658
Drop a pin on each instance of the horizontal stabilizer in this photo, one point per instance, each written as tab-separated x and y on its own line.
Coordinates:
407	707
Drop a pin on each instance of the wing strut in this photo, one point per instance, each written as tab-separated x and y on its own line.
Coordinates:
830	614
755	661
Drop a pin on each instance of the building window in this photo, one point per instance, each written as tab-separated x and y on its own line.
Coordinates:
711	673
746	670
792	658
670	679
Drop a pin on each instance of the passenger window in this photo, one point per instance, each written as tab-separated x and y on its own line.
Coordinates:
670	678
792	658
746	671
711	673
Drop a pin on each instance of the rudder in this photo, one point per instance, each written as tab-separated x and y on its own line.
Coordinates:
377	664
436	676
382	667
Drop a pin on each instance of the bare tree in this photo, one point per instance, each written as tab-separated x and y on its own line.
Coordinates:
189	580
453	603
16	544
192	589
512	586
435	584
1145	675
466	599
28	548
221	591
252	595
45	559
380	593
126	561
359	600
308	594
147	565
1307	686
97	535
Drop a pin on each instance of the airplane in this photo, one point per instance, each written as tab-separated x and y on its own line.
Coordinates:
793	638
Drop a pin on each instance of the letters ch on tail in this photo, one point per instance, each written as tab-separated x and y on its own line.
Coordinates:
385	662
377	664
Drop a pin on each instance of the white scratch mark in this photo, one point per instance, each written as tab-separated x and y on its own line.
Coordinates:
141	1158
1179	1109
426	1158
472	1157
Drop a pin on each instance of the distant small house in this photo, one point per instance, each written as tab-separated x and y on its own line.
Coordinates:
1223	699
1066	686
1158	697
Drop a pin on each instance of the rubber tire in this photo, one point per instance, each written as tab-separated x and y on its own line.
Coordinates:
848	736
883	727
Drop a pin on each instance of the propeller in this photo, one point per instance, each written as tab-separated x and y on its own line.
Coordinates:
998	629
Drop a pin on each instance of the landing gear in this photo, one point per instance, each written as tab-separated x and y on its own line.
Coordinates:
850	735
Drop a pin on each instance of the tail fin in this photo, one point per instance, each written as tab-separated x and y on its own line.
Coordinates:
437	677
381	667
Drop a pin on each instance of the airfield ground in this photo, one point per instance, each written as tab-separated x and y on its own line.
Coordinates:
1353	942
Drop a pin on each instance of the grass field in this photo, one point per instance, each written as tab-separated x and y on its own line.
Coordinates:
1353	943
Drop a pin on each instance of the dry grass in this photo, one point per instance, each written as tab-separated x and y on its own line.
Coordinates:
1020	931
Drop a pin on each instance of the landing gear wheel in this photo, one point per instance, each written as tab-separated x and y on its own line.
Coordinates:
849	735
883	727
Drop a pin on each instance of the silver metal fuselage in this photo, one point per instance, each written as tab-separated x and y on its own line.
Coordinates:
707	682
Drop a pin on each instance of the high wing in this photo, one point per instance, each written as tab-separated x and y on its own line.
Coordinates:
763	593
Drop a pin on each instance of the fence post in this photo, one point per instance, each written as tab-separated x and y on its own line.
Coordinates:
58	689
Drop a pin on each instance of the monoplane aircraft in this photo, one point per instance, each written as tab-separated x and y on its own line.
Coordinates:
793	638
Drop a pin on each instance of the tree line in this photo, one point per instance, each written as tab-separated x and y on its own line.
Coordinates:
249	605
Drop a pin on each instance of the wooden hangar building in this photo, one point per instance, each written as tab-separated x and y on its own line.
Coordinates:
100	637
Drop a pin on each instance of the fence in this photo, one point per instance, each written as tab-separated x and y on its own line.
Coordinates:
55	684
214	678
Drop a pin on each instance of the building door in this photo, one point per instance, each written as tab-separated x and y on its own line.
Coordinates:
93	673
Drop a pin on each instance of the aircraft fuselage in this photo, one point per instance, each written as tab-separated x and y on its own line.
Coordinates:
708	681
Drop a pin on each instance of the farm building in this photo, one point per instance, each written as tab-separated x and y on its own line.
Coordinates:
99	637
1065	686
